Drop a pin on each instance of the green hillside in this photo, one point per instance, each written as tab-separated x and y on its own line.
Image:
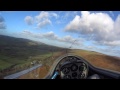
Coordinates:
16	54
18	51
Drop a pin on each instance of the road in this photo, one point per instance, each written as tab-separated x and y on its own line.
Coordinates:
16	75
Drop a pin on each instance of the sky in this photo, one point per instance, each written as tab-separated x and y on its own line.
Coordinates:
90	30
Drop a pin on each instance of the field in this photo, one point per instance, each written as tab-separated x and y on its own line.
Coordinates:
41	72
99	60
16	54
95	58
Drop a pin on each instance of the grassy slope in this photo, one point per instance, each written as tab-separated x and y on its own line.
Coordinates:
42	71
95	58
16	52
99	60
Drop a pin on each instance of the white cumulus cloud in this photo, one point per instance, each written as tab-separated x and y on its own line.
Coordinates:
52	36
55	15
43	15
43	18
29	20
100	25
43	23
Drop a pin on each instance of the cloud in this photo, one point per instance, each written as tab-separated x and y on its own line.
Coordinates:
2	23
29	20
117	25
43	15
28	33
51	36
100	26
65	16
43	18
48	35
109	43
55	15
43	23
108	51
69	39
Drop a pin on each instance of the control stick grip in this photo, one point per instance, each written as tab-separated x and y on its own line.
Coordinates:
55	75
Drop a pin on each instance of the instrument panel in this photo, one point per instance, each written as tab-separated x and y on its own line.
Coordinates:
73	68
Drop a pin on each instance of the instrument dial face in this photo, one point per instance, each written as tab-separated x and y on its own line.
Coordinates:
74	67
66	70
